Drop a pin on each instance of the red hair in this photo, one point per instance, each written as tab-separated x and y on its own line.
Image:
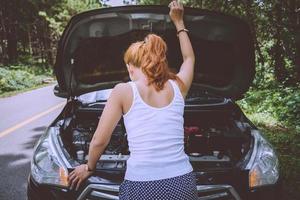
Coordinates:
150	56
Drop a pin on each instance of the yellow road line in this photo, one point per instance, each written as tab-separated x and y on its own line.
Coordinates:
31	119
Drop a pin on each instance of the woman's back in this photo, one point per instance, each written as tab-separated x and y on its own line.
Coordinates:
155	98
155	134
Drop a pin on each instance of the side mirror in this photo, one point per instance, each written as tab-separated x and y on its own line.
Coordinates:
60	93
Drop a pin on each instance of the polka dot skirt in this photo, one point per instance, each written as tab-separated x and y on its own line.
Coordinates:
175	188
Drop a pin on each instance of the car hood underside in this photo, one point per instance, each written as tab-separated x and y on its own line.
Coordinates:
90	53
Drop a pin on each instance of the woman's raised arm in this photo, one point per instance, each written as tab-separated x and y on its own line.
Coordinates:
186	72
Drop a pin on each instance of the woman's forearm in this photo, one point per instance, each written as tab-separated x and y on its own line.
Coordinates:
95	151
185	43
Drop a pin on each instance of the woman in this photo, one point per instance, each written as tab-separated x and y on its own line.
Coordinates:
152	106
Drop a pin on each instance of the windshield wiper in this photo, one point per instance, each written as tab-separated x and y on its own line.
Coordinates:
95	102
205	99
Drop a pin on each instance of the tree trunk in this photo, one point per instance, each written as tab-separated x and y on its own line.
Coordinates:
294	51
3	57
10	22
251	20
12	43
47	45
29	39
281	73
4	29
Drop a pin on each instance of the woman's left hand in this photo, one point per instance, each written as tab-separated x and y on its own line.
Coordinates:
78	175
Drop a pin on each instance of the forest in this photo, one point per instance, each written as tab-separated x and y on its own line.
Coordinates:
30	30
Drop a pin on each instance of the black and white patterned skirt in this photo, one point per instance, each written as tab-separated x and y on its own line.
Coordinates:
175	188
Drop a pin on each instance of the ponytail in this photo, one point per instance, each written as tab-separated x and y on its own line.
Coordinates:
150	56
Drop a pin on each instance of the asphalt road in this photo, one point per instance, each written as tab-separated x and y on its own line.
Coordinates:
23	118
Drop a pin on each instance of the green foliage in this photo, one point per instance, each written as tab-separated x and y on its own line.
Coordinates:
18	77
156	2
60	14
280	105
264	77
30	64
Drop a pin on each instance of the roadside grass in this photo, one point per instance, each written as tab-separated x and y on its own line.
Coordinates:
19	78
286	141
15	92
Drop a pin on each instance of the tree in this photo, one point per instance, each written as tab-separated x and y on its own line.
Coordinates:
33	27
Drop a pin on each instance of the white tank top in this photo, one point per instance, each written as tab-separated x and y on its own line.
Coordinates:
155	139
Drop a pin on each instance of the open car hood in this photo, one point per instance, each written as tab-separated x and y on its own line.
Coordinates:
90	51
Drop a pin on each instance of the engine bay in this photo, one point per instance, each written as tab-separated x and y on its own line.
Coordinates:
210	139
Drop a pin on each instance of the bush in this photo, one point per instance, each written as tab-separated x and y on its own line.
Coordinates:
33	69
20	77
280	105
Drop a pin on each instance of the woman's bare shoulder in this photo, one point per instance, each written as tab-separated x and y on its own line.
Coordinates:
122	90
124	94
181	87
122	87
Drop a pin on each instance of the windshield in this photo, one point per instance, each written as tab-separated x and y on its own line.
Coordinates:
96	96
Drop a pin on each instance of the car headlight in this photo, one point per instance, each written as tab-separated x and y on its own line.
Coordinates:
264	168
46	167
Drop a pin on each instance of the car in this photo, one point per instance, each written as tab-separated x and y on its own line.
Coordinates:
229	154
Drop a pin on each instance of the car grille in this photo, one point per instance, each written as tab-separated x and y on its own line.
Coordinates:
100	191
205	192
217	192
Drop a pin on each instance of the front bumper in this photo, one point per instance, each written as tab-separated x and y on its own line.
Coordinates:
36	191
213	192
107	192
